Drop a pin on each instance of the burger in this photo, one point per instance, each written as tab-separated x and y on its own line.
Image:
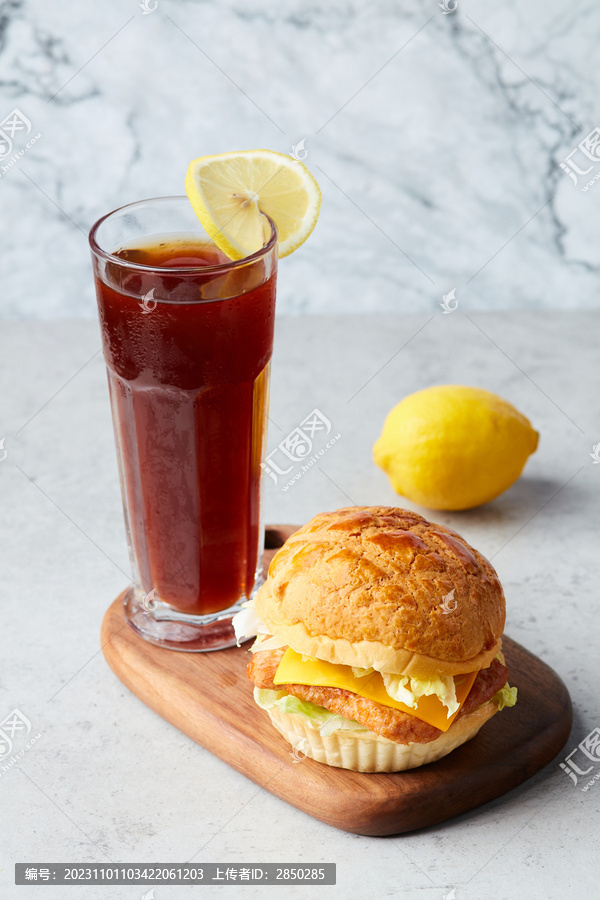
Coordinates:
378	640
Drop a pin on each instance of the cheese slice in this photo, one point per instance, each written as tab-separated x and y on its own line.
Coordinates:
293	670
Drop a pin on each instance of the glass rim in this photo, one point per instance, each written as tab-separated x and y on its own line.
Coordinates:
97	250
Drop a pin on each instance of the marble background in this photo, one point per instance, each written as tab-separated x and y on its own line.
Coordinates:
437	140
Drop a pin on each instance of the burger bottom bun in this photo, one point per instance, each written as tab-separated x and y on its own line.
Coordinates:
364	751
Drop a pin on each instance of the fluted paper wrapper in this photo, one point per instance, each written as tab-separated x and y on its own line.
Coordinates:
364	751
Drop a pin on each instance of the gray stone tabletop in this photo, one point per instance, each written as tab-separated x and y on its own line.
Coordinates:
101	778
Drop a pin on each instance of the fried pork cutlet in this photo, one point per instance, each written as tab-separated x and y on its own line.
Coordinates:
384	720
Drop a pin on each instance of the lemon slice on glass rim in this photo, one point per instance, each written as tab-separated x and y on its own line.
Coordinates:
229	191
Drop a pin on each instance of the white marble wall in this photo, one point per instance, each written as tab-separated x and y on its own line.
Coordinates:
436	139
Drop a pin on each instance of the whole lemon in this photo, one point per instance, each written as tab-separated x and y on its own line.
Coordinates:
454	447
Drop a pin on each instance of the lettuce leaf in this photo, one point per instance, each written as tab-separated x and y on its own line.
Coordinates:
266	698
335	722
396	687
246	623
442	686
506	696
358	672
316	715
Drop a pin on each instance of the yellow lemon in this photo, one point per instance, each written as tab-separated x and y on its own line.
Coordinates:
229	191
454	447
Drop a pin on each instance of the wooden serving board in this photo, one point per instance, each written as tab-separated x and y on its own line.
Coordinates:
209	698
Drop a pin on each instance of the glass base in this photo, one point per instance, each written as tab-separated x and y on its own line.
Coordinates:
165	627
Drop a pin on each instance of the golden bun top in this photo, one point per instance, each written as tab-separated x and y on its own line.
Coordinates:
370	585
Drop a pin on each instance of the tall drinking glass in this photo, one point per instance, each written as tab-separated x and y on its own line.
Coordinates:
187	335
